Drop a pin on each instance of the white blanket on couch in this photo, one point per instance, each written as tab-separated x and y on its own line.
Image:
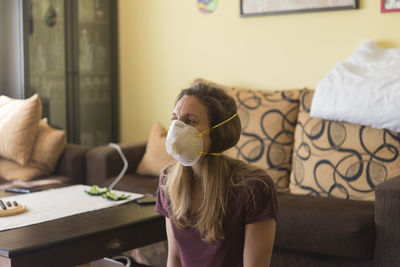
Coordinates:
364	89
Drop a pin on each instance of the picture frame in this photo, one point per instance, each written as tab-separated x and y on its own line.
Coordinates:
390	6
275	7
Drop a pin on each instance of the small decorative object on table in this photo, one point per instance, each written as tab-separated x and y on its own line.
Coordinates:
106	191
11	208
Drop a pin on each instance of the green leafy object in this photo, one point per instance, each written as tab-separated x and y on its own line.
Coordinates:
111	196
96	190
105	193
114	196
123	196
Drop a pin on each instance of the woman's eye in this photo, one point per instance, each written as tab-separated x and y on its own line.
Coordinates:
190	122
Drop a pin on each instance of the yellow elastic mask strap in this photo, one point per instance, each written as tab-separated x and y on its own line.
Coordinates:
215	126
205	153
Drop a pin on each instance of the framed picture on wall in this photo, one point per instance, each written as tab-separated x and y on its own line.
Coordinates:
390	5
273	7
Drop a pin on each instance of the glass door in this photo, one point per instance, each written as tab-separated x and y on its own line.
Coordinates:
95	74
47	58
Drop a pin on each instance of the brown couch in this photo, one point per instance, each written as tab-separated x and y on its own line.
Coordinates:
70	169
316	226
312	231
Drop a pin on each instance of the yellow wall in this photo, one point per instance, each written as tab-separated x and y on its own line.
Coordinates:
164	45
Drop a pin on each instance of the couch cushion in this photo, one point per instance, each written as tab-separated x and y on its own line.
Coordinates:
19	122
135	183
344	160
268	120
12	171
155	158
48	146
328	226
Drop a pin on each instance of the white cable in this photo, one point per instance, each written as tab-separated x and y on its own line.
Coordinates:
121	174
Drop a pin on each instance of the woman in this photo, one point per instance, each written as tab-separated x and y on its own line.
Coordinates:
219	211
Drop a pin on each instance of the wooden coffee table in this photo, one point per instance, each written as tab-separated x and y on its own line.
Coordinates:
82	238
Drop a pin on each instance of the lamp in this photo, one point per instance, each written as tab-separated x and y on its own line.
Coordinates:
106	192
123	171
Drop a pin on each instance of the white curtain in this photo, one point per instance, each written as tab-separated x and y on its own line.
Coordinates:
11	48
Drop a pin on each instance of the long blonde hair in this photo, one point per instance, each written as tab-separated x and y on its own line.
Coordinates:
219	174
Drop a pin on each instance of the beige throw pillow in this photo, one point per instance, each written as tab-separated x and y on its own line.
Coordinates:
156	157
19	122
268	121
339	159
49	145
47	148
12	171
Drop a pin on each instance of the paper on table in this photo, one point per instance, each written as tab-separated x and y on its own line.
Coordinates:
57	203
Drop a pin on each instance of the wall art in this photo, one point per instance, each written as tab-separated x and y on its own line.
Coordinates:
273	7
207	6
390	6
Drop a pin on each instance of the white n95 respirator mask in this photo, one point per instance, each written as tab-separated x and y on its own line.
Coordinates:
185	143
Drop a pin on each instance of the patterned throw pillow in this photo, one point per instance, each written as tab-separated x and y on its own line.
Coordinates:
339	159
268	121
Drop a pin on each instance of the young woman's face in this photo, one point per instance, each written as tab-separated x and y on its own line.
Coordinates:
192	112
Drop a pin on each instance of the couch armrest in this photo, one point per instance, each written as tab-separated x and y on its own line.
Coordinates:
387	222
72	163
104	162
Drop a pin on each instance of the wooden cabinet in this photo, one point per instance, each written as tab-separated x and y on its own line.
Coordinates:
70	55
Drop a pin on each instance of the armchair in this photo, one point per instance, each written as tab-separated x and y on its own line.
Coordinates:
387	223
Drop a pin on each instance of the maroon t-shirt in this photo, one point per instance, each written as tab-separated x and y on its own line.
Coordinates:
241	211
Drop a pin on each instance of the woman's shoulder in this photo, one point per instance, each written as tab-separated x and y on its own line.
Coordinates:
164	173
247	174
254	190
